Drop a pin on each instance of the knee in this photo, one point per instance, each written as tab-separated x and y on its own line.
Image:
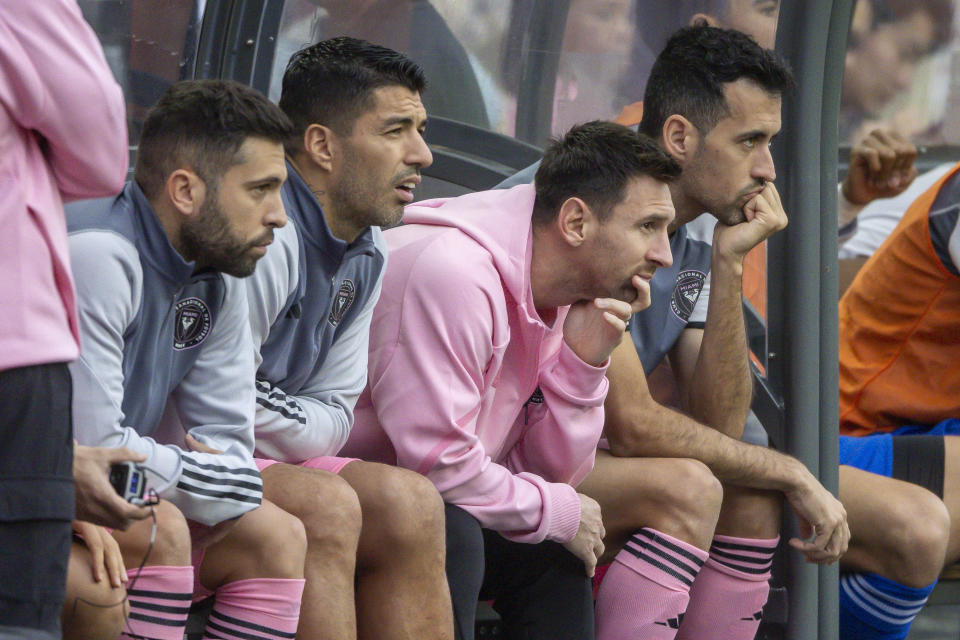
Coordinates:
330	512
407	512
281	544
92	610
694	499
917	533
171	544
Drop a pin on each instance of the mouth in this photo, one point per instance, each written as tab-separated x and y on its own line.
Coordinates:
405	188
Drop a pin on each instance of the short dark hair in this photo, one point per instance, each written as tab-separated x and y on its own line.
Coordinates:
202	124
689	75
332	82
594	162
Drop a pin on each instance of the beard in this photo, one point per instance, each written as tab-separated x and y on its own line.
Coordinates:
208	240
362	200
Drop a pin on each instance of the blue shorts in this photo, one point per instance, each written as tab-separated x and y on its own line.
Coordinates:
875	453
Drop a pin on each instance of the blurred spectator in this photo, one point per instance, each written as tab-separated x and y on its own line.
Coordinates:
888	38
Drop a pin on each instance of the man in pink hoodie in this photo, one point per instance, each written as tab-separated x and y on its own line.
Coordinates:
63	137
488	349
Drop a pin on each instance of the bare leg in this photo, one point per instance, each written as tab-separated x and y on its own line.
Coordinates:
88	613
330	513
171	546
898	530
675	496
951	494
264	543
402	591
750	513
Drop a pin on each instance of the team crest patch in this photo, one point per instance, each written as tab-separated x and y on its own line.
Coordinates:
342	302
685	293
192	323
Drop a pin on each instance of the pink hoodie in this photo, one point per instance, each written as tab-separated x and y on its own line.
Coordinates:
457	350
63	136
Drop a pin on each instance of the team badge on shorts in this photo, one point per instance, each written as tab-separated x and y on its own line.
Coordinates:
192	324
342	302
685	293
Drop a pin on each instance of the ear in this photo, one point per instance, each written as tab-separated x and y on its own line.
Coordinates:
186	191
703	19
575	221
680	138
320	145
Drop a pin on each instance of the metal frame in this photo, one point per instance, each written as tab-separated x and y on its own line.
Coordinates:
802	329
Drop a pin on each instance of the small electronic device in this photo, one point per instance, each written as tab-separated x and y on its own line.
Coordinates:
129	481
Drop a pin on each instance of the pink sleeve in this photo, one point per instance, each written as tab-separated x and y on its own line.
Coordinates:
433	363
55	81
561	433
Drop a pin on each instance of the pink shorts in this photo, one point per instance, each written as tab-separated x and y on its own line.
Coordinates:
333	464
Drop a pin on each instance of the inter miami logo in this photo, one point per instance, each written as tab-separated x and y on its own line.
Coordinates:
342	302
192	323
686	292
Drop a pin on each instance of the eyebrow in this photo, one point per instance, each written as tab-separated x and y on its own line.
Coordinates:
271	180
405	120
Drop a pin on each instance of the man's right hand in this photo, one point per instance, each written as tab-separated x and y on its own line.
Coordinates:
588	543
97	501
822	519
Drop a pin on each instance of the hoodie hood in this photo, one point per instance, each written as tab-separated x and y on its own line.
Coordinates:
498	220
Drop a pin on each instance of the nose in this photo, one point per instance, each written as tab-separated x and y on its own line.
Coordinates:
763	168
418	153
276	216
659	252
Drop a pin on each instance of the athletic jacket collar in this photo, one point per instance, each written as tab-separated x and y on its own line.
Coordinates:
154	245
302	206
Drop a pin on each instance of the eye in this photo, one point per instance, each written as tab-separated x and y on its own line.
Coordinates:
394	132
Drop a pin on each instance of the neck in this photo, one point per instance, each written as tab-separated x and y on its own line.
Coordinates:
170	222
550	279
686	209
316	181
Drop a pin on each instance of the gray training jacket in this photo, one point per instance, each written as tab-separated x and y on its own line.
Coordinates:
156	337
311	302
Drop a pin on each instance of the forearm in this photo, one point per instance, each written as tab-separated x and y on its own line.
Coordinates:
294	428
659	432
719	390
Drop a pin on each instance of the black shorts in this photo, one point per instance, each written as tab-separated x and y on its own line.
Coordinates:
920	460
36	494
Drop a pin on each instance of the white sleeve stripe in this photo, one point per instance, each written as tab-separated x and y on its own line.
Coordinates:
219	495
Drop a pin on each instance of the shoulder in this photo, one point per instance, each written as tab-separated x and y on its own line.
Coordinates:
103	255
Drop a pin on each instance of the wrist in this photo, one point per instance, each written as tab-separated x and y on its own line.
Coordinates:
796	477
726	262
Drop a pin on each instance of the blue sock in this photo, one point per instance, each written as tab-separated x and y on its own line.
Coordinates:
875	608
